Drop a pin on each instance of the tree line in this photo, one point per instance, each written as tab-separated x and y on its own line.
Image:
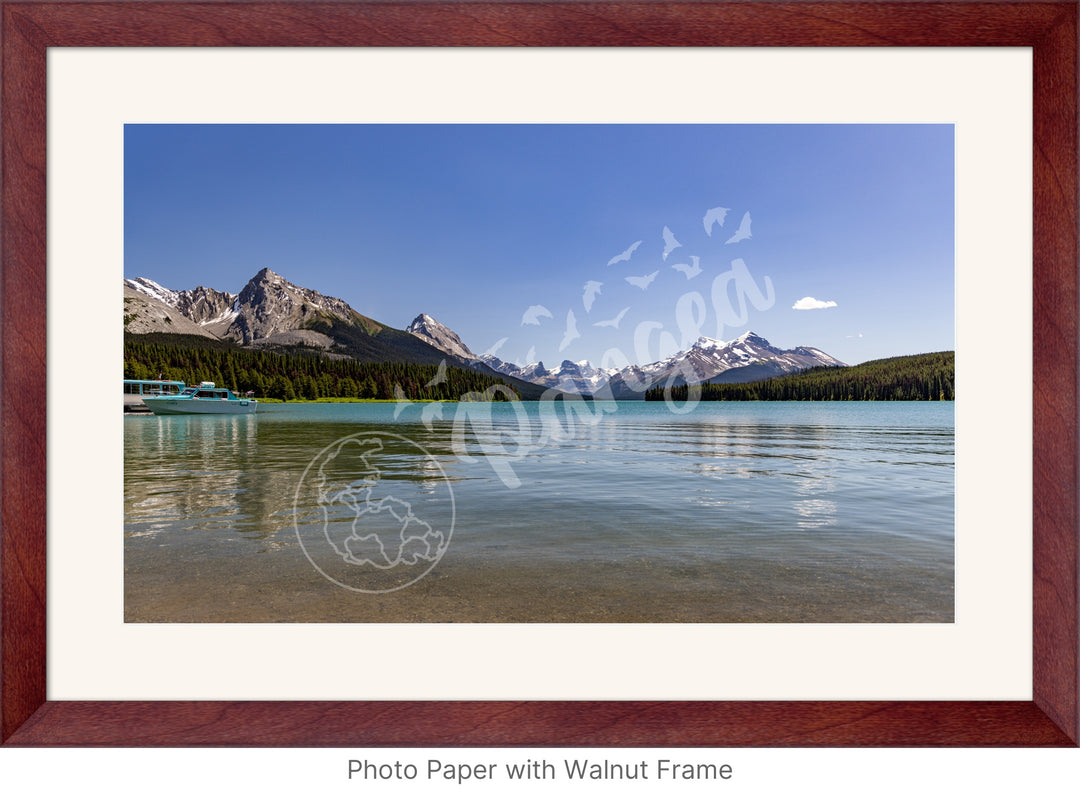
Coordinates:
294	376
925	377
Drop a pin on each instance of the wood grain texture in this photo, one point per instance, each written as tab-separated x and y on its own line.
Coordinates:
1055	412
22	360
26	718
538	24
637	724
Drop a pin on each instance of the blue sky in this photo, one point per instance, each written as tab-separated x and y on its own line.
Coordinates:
473	224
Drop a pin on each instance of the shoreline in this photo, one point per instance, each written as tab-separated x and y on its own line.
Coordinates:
282	587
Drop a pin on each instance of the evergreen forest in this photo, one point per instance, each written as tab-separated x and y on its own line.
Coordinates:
925	377
301	375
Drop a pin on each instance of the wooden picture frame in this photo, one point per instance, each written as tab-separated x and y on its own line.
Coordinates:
28	718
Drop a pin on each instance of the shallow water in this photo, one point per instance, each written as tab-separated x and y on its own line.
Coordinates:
764	512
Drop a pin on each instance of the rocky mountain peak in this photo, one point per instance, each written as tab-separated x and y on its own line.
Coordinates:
269	306
267	276
435	333
425	324
206	306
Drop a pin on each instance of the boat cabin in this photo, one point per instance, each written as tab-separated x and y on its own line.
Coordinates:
143	388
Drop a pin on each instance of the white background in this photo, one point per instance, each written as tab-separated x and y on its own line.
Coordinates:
985	92
882	775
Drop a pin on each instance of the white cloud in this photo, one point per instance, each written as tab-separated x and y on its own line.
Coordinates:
812	303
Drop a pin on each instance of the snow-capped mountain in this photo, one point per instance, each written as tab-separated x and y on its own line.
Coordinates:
435	333
574	377
149	307
271	311
153	290
746	358
268	311
211	309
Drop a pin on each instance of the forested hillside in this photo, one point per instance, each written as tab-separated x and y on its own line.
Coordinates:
926	377
273	374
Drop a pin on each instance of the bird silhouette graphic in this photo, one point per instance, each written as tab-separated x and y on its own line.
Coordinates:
571	332
743	232
495	348
592	289
643	281
402	401
430	413
670	243
689	270
714	217
625	255
440	375
533	314
614	322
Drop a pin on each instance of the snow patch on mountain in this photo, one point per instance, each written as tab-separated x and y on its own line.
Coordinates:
705	360
435	333
154	290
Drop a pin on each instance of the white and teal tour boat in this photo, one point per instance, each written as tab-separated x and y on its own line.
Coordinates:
204	399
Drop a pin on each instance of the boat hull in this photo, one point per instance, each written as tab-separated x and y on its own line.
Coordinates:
200	406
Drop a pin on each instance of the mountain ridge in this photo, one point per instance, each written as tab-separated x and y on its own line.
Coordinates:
707	359
917	377
273	313
268	305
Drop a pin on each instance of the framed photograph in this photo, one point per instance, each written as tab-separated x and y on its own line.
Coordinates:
904	170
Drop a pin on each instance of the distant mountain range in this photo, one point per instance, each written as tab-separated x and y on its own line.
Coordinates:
271	312
746	358
920	377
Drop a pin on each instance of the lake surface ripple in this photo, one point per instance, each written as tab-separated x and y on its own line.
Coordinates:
731	512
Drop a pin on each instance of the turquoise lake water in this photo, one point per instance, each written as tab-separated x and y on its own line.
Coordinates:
731	512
